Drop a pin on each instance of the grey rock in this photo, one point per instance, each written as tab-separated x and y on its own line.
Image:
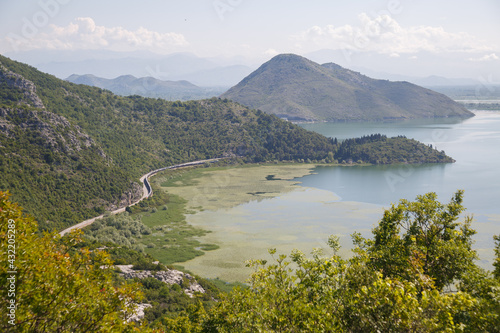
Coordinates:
27	87
139	312
171	276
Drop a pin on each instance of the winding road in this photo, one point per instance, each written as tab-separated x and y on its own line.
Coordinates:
147	191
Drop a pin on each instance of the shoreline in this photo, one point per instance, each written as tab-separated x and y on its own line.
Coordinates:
246	224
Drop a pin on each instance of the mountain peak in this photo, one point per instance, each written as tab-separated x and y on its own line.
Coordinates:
126	77
288	57
299	89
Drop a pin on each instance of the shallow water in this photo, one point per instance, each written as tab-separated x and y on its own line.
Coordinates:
341	200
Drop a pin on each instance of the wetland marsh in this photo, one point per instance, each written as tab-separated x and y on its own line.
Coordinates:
253	208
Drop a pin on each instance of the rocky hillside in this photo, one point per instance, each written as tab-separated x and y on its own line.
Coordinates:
296	88
54	167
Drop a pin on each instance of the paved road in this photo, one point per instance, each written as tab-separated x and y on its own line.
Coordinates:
147	191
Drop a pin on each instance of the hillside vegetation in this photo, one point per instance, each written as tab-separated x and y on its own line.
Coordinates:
379	149
296	88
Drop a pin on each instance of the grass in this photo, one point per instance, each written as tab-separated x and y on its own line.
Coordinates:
227	286
171	211
173	239
178	193
169	239
227	187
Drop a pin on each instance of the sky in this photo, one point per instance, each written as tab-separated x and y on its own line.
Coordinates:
411	37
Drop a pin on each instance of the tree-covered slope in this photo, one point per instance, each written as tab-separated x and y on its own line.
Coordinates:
57	170
296	88
379	149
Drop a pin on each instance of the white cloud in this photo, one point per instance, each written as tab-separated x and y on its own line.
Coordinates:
383	34
83	33
487	57
271	52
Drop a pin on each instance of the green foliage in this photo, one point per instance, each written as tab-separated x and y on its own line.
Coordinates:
170	302
173	239
163	234
393	283
58	288
187	322
485	287
378	149
496	264
329	294
57	181
120	229
226	287
423	237
125	256
10	95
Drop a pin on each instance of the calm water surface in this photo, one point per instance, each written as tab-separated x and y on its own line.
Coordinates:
474	144
343	199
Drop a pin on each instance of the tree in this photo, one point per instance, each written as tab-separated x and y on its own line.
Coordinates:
423	237
496	264
485	288
393	283
329	294
57	287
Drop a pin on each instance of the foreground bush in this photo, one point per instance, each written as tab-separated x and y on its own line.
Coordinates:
393	283
56	287
417	275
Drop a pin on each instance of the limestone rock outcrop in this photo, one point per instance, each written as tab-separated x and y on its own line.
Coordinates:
171	276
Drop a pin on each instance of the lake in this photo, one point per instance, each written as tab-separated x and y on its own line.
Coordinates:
343	199
474	144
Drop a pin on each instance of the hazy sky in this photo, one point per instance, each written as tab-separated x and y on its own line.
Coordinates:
451	38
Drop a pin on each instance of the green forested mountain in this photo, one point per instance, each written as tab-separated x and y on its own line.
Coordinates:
296	88
69	152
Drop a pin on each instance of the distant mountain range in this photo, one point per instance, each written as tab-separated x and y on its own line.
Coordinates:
293	87
127	85
203	72
224	72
